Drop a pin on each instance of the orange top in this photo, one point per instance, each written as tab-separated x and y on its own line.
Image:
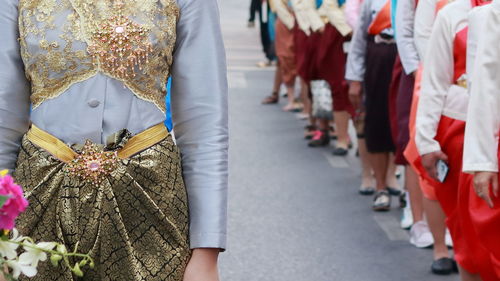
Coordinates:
382	20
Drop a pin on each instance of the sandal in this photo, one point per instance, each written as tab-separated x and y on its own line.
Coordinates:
309	132
340	151
272	99
381	201
320	138
289	108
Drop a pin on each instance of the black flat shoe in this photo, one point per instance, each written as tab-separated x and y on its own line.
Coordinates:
340	151
393	191
442	266
321	138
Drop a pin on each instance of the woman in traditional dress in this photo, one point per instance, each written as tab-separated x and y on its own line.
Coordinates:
440	126
425	15
420	235
481	147
369	67
98	166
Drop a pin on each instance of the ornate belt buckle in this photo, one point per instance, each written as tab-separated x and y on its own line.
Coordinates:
93	164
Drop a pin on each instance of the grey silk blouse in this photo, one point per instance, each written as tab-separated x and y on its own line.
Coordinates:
99	106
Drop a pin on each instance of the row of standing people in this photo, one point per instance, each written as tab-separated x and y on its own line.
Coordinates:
406	81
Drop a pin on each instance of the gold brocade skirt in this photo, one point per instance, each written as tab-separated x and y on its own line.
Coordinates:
134	223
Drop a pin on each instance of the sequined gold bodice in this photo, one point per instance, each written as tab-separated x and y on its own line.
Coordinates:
64	42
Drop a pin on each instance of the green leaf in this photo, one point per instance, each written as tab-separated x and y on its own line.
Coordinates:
3	199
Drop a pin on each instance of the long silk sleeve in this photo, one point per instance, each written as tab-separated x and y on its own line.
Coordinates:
424	20
356	67
14	87
483	120
200	116
351	11
436	81
405	17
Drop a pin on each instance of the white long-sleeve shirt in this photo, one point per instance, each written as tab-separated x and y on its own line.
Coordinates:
483	122
405	18
439	95
352	10
356	66
425	15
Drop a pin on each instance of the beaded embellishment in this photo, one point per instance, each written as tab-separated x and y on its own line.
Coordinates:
120	44
93	164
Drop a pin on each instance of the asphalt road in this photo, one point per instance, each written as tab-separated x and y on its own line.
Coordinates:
294	212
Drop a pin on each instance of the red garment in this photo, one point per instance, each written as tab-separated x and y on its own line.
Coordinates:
382	20
303	53
453	194
486	222
397	73
285	50
411	151
481	221
329	61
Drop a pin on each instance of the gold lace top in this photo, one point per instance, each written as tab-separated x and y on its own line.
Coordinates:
64	42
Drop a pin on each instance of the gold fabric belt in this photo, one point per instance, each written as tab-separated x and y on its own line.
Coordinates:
64	153
462	83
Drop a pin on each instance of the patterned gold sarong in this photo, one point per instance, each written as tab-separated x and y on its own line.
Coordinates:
134	223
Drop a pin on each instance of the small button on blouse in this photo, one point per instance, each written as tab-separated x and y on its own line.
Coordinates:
94	103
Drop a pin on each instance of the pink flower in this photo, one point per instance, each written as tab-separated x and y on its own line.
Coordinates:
15	204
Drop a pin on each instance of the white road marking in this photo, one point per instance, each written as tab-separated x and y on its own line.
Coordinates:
390	225
237	80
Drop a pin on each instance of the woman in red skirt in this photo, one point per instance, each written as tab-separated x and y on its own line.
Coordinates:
481	150
328	63
440	127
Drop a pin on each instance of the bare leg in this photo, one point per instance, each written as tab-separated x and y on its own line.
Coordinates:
341	119
323	124
436	220
290	89
304	96
380	165
275	95
466	276
277	79
391	179
416	196
367	179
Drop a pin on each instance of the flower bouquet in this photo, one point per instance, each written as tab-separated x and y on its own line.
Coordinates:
20	254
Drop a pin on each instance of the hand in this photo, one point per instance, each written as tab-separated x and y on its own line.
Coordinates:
482	183
355	94
202	266
429	162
